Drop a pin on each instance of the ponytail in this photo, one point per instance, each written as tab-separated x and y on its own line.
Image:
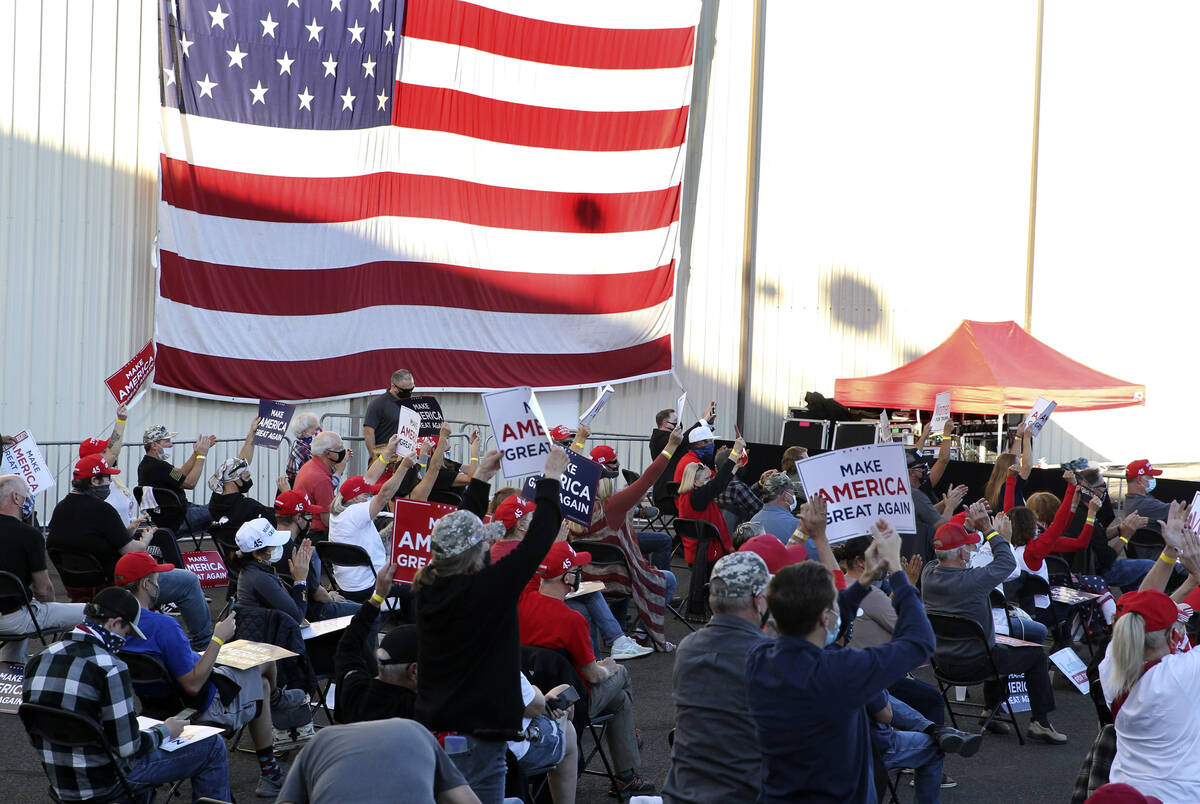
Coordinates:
1128	651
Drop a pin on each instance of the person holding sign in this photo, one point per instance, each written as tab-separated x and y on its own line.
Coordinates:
698	490
230	484
383	414
469	638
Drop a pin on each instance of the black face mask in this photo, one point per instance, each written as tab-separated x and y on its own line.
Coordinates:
245	486
611	474
303	524
99	492
404	393
338	456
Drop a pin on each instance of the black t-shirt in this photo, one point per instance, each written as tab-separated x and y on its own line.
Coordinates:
239	508
22	552
1105	555
157	472
383	416
83	524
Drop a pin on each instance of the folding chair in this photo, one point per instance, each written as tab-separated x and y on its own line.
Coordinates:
1145	543
171	514
604	553
702	532
223	535
13	591
82	574
348	555
66	729
445	497
950	627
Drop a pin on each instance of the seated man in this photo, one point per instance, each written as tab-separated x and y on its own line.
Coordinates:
548	740
82	674
260	545
949	586
156	470
294	513
905	739
319	477
779	503
164	639
546	621
710	691
809	703
231	483
23	553
1142	477
358	763
84	523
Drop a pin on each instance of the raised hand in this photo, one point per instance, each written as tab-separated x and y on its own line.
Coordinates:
1003	526
489	464
1172	529
912	567
556	463
675	439
978	517
888	542
383	579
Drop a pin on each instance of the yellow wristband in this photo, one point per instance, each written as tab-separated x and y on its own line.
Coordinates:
579	444
989	535
474	459
121	421
733	456
668	453
200	457
220	642
799	535
1164	558
1091	520
377	598
1122	538
383	460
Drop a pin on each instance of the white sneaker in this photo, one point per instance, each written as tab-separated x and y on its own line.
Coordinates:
625	648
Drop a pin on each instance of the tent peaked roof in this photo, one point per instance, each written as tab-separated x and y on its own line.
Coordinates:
990	367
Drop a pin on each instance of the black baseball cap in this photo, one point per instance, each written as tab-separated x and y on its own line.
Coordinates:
399	646
117	602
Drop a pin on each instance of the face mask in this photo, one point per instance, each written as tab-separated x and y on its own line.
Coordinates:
792	504
245	486
611	474
1150	484
705	452
1177	641
337	456
112	641
99	492
166	453
276	553
404	393
26	507
154	597
303	524
830	636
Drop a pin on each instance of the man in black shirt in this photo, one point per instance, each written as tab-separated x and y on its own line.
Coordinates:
664	422
382	420
23	553
230	484
393	692
156	470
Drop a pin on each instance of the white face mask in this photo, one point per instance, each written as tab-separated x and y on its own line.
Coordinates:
792	505
166	453
1150	484
276	553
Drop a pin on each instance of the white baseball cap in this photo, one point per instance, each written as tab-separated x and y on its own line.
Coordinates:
700	433
259	533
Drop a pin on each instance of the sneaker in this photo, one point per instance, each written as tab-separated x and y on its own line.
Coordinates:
283	699
269	787
287	739
666	647
625	648
1045	734
633	786
947	782
994	726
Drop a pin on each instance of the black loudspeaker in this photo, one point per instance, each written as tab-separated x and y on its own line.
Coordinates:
813	434
854	434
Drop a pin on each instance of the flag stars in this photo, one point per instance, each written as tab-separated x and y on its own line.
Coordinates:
185	43
259	94
330	67
236	56
383	99
285	64
369	67
295	3
375	5
390	33
168	76
305	99
335	5
206	86
218	17
356	32
269	25
314	31
347	100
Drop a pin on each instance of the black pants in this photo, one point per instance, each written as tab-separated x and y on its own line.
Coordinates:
1036	667
922	697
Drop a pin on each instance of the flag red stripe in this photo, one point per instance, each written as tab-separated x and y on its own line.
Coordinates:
436	109
288	199
517	37
360	373
265	291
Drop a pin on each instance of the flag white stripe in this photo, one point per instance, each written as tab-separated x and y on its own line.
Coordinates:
618	14
286	338
446	66
269	151
233	241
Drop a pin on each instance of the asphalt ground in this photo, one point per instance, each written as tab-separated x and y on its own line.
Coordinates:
1002	771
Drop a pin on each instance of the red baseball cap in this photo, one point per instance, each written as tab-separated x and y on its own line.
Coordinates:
512	509
135	566
562	433
93	466
1120	793
1158	610
953	535
604	454
560	559
293	502
770	549
1140	468
91	446
356	485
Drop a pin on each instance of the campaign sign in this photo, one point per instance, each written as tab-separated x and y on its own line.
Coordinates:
941	412
430	412
412	531
276	416
130	377
519	429
1194	512
1040	414
577	491
680	404
602	397
22	457
208	566
12	681
860	485
883	434
408	428
1018	693
1068	661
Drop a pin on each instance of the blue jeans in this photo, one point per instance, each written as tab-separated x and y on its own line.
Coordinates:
670	576
484	768
922	697
911	747
1028	630
182	587
603	624
205	762
197	517
1127	573
656	547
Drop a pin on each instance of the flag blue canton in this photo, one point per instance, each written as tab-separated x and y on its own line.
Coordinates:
303	64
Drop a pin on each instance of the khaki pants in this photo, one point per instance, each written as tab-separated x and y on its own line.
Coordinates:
614	696
50	616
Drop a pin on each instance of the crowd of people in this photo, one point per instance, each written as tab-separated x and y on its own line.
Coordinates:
487	668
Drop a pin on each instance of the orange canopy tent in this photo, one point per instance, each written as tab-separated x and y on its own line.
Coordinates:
990	367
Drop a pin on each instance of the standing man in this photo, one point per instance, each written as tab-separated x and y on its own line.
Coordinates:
383	414
82	674
156	470
320	477
23	553
711	707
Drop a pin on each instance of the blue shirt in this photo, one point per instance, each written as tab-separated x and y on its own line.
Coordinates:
780	523
166	641
809	706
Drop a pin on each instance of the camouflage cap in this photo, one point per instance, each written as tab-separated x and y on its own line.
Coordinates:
459	531
156	432
775	485
743	574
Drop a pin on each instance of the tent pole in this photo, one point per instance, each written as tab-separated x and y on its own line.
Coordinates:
999	434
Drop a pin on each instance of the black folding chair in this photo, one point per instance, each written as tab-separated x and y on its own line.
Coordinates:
63	728
81	573
224	537
604	553
171	513
702	532
1145	543
12	591
952	628
445	497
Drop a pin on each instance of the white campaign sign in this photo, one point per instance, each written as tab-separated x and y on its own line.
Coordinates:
1194	512
860	485
409	428
884	434
1040	414
23	458
941	412
680	403
1072	667
602	397
519	429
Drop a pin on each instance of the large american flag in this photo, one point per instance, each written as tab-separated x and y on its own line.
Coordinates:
485	193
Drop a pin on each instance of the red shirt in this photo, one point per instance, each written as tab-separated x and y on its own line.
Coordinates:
547	622
315	479
690	457
502	548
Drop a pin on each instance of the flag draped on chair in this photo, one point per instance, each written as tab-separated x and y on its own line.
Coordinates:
485	193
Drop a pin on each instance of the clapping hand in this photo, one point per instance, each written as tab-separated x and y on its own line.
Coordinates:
1172	529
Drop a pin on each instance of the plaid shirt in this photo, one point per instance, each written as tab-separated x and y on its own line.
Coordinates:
301	452
1096	765
80	675
740	500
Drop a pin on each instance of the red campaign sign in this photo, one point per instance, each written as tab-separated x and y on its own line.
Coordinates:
207	564
411	532
126	382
